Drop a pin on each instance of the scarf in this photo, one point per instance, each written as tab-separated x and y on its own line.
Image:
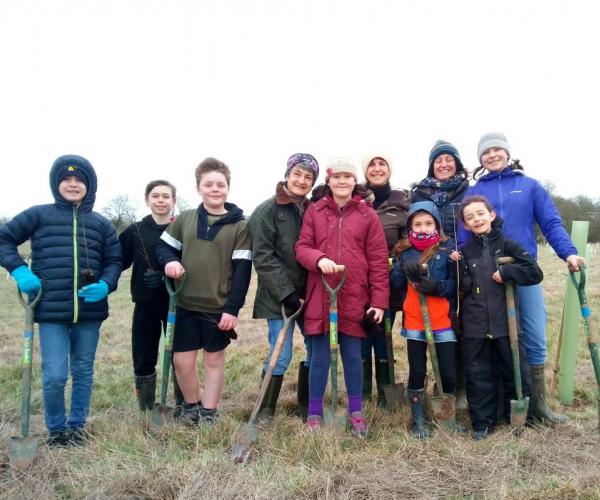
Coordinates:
441	191
382	193
422	241
299	201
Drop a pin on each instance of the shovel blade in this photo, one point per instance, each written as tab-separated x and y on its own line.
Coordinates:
518	412
160	416
241	450
22	453
394	396
335	417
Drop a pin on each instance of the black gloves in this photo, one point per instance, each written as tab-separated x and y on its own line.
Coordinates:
413	270
369	323
153	279
427	286
292	303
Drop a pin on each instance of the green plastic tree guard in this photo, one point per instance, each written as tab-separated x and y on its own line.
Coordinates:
572	319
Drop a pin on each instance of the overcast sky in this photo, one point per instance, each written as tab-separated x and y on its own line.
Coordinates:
146	89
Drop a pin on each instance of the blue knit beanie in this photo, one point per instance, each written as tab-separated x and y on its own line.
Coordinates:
440	148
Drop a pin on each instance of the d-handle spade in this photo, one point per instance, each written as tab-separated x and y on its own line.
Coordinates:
248	435
161	414
23	449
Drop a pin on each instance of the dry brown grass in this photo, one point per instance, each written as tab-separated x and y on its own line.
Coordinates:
123	461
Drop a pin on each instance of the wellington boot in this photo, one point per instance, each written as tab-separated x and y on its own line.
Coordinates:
447	416
302	408
267	408
382	378
540	412
367	379
145	390
417	408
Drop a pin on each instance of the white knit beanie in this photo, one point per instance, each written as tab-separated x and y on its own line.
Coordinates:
341	164
367	159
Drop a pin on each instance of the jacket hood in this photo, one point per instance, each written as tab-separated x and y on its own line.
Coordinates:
424	206
87	204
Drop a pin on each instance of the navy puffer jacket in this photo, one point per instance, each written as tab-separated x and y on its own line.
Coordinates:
56	259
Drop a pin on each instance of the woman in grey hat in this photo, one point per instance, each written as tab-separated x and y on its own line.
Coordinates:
522	202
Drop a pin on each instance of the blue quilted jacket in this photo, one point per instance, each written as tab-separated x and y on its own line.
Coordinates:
65	239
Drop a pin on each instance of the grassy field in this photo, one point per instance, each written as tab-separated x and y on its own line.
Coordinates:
122	460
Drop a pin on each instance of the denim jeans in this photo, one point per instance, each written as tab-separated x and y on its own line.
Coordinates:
64	346
532	317
285	358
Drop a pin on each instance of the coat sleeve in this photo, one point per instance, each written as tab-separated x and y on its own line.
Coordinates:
264	256
550	222
111	262
170	244
306	252
12	234
377	260
241	264
126	241
525	271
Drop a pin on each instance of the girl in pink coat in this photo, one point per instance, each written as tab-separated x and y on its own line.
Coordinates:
342	228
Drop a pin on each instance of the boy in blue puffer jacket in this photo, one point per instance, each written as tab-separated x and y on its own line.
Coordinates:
76	259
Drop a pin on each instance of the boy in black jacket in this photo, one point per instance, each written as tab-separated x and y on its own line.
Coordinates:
484	318
138	245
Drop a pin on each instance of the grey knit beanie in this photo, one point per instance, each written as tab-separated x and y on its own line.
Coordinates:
492	140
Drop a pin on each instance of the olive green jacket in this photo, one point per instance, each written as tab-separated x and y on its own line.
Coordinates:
274	229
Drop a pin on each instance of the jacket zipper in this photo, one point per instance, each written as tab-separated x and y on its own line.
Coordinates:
485	252
75	268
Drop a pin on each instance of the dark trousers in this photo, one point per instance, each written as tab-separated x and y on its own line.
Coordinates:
486	362
146	329
417	362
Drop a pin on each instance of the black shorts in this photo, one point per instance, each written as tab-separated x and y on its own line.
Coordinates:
198	330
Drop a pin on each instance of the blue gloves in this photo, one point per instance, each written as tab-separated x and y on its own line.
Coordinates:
26	280
94	292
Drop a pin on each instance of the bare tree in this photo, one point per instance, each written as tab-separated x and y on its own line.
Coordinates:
182	204
121	211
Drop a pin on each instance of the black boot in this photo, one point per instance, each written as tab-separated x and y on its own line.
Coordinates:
382	378
367	379
190	413
302	409
417	408
539	407
145	390
269	402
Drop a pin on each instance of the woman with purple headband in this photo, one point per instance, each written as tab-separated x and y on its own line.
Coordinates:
274	228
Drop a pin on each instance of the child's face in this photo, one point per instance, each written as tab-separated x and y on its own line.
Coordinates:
478	218
342	184
72	189
213	189
160	200
422	222
494	159
299	181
